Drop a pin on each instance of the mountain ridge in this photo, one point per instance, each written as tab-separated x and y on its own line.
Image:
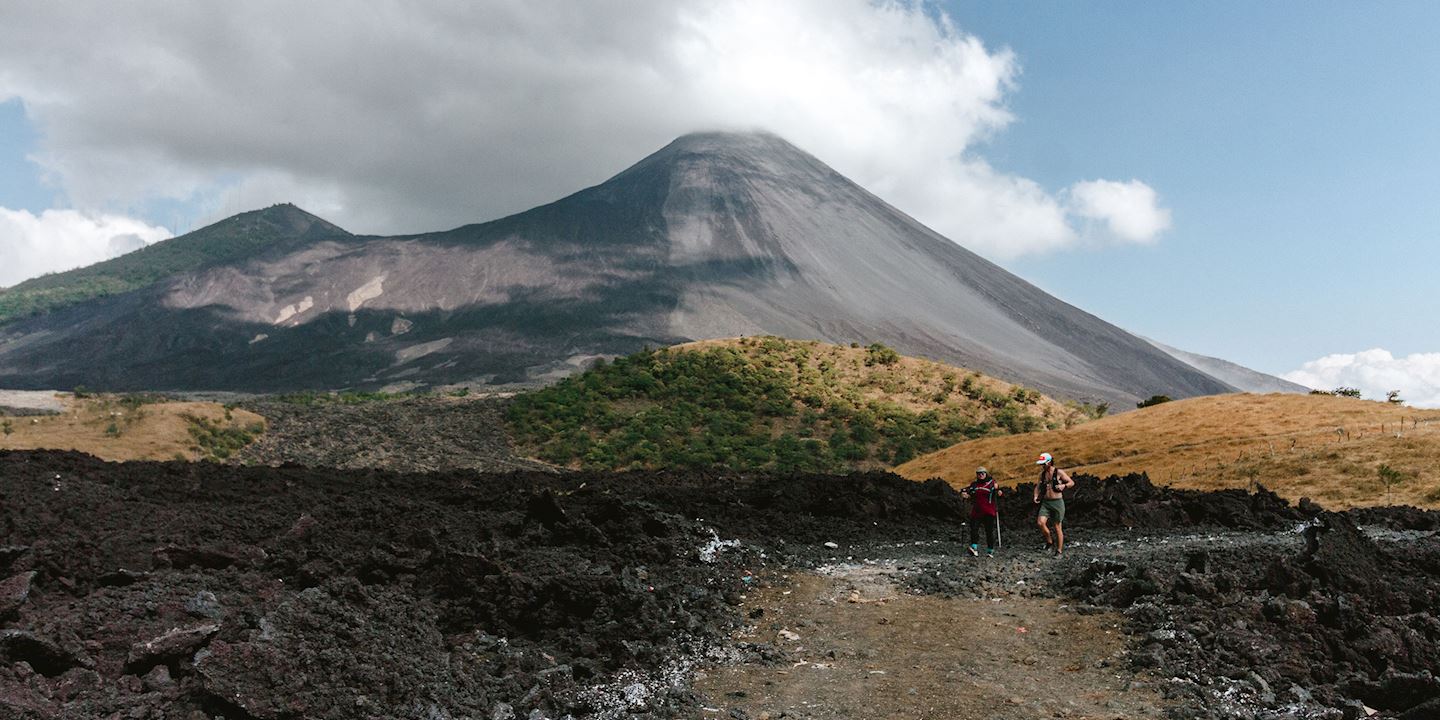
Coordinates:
713	235
1243	378
232	238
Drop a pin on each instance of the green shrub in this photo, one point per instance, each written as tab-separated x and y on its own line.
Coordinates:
1024	395
217	441
877	354
1154	400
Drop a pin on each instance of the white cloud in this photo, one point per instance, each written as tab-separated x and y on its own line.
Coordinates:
1130	210
1376	372
58	240
408	117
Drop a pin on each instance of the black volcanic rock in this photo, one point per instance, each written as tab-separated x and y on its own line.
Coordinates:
715	235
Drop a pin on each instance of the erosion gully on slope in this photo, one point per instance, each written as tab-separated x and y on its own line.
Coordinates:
175	590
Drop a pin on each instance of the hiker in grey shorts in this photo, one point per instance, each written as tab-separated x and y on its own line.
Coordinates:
1049	495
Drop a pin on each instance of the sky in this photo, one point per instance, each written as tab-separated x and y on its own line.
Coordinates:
1252	181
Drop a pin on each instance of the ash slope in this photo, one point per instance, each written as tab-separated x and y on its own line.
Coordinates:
1243	378
714	235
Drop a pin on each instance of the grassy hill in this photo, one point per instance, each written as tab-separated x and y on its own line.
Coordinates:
229	240
770	403
135	427
1328	448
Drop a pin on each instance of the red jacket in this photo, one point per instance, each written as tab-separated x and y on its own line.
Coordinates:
983	494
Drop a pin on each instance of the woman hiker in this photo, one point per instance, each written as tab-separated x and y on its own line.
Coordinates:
1049	495
983	494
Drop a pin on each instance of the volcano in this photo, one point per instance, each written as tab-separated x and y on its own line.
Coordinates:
714	235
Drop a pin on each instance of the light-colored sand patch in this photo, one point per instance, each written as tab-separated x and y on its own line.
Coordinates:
258	338
414	352
369	291
584	361
290	311
400	326
32	400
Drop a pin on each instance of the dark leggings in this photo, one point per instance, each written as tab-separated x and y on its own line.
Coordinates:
990	522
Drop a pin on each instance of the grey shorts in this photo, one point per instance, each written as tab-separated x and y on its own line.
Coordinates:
1053	509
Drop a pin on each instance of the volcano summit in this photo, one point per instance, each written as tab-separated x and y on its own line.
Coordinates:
714	235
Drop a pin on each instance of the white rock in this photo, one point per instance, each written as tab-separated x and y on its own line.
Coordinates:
636	695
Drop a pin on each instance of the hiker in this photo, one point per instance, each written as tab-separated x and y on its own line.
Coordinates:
983	494
1049	495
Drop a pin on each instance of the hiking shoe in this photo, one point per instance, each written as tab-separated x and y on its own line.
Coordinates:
989	553
973	551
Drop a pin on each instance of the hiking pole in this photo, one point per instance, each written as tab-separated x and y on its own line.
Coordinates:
998	541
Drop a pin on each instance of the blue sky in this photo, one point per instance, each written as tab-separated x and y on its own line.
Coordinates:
1294	145
20	179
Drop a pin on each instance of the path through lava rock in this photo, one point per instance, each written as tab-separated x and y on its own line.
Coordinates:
860	645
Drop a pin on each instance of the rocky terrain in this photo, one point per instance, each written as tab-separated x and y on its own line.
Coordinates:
179	590
408	434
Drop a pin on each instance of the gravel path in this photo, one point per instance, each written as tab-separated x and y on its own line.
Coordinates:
30	402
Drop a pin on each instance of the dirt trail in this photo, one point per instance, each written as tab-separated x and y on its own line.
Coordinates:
859	645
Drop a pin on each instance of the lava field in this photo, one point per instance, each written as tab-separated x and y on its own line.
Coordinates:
179	590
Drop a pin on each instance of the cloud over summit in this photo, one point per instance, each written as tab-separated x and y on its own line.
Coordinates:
407	117
59	240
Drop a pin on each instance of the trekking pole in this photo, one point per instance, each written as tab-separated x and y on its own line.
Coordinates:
998	543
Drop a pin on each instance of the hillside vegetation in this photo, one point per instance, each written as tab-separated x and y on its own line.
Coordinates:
767	402
1330	449
135	427
229	240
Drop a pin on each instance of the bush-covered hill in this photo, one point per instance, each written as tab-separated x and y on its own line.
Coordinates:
770	403
229	240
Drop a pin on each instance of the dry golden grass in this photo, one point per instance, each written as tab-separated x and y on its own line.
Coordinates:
108	429
1324	447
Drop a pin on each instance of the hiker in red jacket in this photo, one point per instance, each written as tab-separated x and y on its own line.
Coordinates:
983	494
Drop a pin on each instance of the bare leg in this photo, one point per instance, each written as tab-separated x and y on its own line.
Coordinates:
1059	539
1043	522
